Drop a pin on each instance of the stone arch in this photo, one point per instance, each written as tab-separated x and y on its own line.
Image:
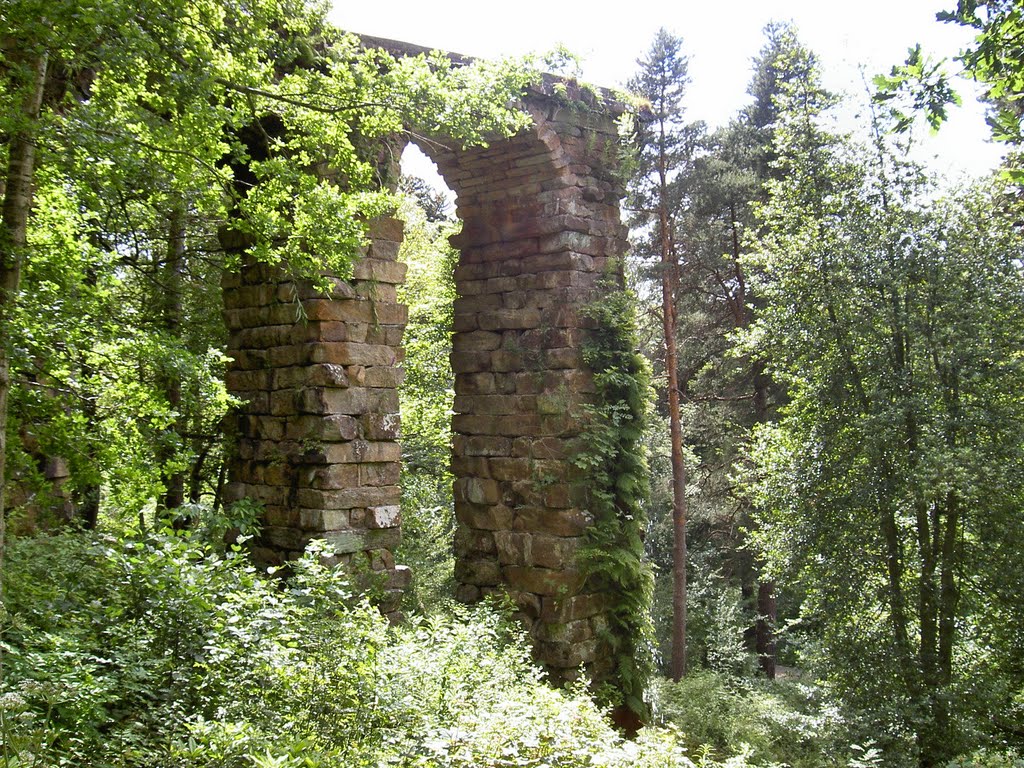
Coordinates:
318	437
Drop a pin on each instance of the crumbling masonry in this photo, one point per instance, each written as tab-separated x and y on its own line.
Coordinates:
319	438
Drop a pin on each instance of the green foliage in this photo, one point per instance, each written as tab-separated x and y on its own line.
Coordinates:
923	83
426	397
894	320
767	723
611	458
995	58
166	650
168	128
985	758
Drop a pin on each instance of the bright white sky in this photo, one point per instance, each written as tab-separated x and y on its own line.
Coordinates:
720	39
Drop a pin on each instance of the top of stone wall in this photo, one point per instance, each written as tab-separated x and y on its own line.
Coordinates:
552	87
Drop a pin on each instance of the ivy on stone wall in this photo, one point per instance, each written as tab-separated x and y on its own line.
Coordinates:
612	459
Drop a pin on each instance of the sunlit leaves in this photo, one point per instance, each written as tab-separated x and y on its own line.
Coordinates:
923	84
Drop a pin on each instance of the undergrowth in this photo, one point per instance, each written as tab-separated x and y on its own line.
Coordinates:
162	649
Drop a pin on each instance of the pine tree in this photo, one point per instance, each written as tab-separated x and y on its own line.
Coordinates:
654	196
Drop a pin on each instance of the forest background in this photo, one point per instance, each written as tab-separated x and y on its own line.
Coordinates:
849	363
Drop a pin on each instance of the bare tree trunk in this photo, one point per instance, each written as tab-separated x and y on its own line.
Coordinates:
174	482
764	626
669	265
17	200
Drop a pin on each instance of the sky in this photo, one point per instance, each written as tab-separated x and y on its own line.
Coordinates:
720	40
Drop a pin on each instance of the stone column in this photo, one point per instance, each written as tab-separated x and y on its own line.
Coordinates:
540	224
318	429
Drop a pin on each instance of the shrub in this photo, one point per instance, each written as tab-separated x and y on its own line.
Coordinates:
165	650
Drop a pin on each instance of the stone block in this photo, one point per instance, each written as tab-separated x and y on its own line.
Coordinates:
556	522
321	520
565	655
380	426
473	305
354	401
518	424
389	516
470	543
250	296
284	538
380	560
561	496
350	353
494	405
569	633
345	542
563	357
475	466
386	228
543	581
467	424
553	551
474	383
379	270
321	375
465	322
386	473
400	578
513	548
383	377
362	541
349	498
281	516
381	293
477	490
540	448
481	573
358	451
485	518
508	319
476	341
528	604
512	361
247	380
384	249
333	477
511	468
565	608
321	331
329	428
470	362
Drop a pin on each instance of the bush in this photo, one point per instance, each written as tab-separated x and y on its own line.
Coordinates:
759	721
985	758
166	650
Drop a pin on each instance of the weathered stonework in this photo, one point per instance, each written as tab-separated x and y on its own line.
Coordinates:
540	216
319	435
317	439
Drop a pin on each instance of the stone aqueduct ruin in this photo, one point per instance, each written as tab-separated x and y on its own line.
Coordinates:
319	437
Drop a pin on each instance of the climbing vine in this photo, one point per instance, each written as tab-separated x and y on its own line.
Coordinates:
614	466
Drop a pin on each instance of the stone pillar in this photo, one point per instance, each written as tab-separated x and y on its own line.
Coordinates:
540	223
318	429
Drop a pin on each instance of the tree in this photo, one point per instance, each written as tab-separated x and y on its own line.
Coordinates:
719	179
894	321
730	391
195	117
996	59
663	148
